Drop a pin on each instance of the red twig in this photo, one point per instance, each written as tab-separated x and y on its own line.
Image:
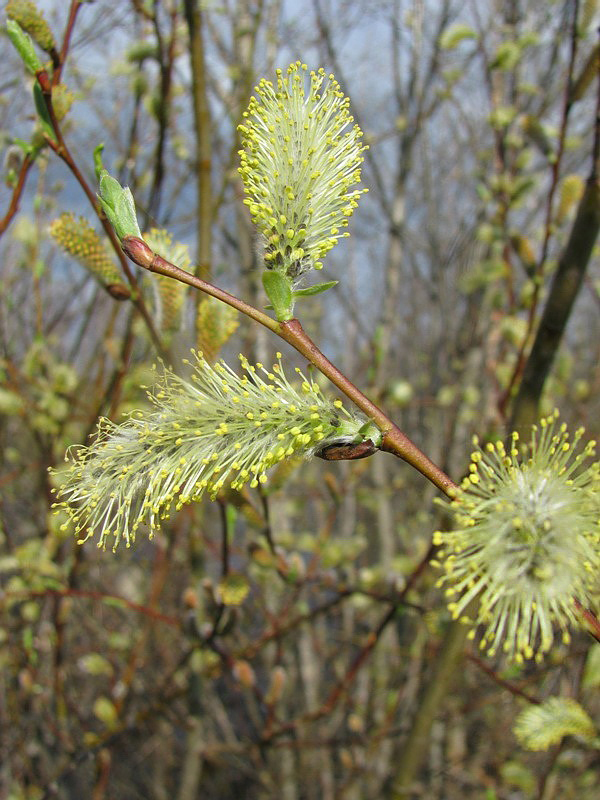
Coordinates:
17	192
102	596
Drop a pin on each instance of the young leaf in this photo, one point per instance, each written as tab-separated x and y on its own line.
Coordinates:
24	45
119	206
127	224
42	110
279	292
109	189
98	165
318	288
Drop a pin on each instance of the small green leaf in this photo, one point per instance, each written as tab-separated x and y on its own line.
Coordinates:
115	602
318	288
126	215
507	56
109	189
42	110
23	44
591	675
26	147
119	206
279	291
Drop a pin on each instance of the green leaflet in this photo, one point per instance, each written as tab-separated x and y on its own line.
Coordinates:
279	292
42	110
24	45
318	288
119	206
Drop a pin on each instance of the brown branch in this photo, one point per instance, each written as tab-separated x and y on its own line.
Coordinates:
555	166
394	441
563	293
291	331
139	252
62	57
17	192
515	690
60	148
102	596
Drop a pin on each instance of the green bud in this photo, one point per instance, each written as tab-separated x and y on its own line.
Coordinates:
119	206
98	165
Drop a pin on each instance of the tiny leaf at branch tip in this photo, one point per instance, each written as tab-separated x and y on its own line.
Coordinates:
42	110
26	14
119	206
23	44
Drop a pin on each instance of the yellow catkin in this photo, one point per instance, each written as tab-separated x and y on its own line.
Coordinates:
168	294
171	295
62	100
524	251
216	322
77	238
571	190
31	19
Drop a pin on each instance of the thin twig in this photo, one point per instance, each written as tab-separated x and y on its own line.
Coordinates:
60	148
17	192
291	331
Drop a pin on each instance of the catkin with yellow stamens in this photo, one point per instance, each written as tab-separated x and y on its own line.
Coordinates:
301	155
169	294
32	20
76	237
525	540
219	430
216	322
